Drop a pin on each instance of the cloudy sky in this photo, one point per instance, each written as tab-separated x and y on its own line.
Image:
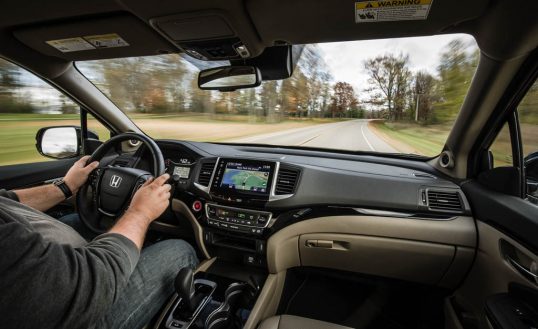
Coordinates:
345	59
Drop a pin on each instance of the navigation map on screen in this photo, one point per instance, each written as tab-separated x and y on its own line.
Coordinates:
253	178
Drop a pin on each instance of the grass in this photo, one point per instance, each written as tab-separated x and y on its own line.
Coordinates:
423	140
18	131
430	140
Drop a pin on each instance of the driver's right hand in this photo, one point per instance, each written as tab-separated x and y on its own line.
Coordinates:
152	198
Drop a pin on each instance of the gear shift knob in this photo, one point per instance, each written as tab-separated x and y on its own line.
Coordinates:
184	285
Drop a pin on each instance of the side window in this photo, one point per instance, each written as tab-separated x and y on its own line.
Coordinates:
528	123
98	128
27	104
502	148
528	120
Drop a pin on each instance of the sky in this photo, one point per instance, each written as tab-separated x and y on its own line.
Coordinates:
345	59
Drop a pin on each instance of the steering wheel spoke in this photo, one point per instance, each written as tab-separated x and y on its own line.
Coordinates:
109	190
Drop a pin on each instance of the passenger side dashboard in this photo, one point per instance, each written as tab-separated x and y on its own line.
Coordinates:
342	212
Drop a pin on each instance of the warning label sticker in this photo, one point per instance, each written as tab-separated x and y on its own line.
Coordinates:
70	44
391	10
111	40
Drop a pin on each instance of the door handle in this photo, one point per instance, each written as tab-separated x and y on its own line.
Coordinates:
328	244
319	243
529	273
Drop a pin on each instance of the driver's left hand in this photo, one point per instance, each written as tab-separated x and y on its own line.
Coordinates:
79	172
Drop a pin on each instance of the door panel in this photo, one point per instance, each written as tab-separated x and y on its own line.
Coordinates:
31	174
512	215
507	227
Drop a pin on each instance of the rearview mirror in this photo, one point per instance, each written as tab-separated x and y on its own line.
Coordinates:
61	142
229	78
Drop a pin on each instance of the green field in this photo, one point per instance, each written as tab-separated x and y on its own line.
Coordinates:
424	140
17	134
430	140
17	131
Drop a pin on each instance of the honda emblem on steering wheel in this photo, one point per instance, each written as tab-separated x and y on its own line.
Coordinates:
115	181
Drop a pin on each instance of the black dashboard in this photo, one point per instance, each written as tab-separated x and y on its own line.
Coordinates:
241	195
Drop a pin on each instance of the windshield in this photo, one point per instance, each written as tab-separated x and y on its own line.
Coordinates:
391	95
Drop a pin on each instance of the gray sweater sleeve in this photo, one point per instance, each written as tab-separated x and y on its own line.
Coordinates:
51	285
9	194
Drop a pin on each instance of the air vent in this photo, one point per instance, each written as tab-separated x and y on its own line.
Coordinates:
445	201
205	173
286	181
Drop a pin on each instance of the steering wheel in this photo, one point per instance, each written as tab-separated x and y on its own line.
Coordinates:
107	193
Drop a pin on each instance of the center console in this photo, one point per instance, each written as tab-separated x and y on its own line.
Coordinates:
236	219
221	297
234	224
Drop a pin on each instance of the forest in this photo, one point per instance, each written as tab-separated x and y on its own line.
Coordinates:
167	84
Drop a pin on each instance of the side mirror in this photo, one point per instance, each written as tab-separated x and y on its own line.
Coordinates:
229	78
531	165
531	175
61	142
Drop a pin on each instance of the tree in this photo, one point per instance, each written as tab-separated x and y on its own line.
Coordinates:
455	71
343	99
423	92
389	80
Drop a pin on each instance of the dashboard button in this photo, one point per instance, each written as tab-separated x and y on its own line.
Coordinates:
197	205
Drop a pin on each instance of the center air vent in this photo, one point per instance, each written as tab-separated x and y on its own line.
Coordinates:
444	200
286	181
205	173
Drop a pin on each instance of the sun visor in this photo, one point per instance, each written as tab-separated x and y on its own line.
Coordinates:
114	36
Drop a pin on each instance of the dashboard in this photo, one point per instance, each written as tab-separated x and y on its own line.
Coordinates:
238	198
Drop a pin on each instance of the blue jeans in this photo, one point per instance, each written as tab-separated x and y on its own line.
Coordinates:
151	284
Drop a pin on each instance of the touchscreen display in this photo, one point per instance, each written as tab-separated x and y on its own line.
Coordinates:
246	177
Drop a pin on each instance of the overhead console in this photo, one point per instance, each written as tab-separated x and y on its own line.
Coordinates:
206	35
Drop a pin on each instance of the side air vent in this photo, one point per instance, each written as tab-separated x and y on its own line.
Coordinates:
205	173
286	181
444	200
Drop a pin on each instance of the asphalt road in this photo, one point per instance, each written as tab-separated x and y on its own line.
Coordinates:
351	135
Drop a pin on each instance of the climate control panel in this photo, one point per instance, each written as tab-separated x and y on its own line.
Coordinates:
236	219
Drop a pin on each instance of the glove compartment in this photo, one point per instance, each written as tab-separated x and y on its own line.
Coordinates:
409	260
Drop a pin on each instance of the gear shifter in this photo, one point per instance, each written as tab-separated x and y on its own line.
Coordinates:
184	285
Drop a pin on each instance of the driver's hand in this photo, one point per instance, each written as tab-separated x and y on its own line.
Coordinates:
78	173
152	199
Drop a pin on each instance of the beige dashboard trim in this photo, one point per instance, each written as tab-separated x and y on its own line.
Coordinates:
180	207
267	302
427	243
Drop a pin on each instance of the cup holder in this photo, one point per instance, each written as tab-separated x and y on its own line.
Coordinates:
222	317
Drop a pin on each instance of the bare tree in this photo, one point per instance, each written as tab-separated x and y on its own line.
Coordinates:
389	79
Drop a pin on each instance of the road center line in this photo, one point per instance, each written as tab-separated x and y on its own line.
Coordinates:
366	139
308	140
